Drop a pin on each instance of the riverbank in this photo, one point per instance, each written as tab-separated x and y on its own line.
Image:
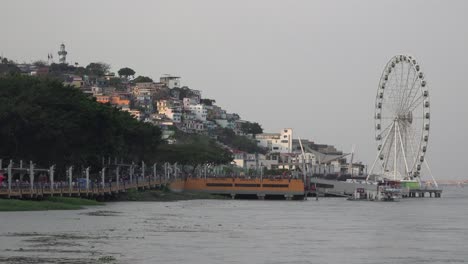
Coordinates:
72	203
162	196
50	203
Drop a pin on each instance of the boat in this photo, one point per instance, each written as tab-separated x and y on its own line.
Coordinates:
385	191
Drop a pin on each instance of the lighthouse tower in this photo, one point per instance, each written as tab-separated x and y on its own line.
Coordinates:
62	54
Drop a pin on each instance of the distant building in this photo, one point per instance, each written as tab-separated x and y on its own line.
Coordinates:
135	113
224	123
62	54
170	81
75	81
189	101
200	111
276	142
102	99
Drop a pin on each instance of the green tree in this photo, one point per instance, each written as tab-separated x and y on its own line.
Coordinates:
40	63
194	150
97	68
141	79
80	71
126	72
251	128
208	102
48	123
243	143
60	68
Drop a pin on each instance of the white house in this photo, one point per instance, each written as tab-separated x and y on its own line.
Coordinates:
276	142
170	81
200	111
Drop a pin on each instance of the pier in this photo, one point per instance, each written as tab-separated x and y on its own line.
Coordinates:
28	181
421	193
239	187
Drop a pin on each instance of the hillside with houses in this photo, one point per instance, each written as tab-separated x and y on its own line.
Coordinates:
182	112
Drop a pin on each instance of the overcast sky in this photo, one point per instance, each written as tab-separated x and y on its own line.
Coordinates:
313	66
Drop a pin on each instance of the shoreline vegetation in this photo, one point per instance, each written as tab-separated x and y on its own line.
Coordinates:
76	203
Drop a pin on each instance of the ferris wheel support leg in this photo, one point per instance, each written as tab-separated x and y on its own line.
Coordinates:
403	150
430	172
396	151
378	155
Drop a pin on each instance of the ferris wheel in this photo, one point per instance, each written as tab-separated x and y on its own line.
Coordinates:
402	120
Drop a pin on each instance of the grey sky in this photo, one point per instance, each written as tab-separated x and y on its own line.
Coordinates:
310	65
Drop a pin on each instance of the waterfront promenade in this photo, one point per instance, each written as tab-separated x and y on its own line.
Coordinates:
37	190
231	186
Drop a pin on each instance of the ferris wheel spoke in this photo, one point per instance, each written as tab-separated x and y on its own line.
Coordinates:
415	103
389	149
385	130
400	86
411	94
406	83
413	142
416	142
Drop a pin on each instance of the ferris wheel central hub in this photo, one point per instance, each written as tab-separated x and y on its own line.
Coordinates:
408	117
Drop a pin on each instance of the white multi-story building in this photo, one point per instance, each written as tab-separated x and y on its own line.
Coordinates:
276	142
170	81
200	111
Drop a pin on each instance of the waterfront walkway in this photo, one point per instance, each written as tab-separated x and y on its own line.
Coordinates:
25	190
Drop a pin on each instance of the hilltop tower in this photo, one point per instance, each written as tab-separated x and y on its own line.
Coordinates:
62	54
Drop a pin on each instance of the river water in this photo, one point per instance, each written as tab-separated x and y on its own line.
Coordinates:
331	230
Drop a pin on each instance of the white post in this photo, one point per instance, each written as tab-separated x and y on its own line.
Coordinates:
31	175
103	174
87	179
131	173
10	176
70	173
51	177
154	172
261	173
117	175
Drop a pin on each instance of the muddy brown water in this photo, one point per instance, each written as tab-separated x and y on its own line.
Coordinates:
331	230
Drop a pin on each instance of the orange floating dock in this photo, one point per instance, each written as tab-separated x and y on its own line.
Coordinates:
238	187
